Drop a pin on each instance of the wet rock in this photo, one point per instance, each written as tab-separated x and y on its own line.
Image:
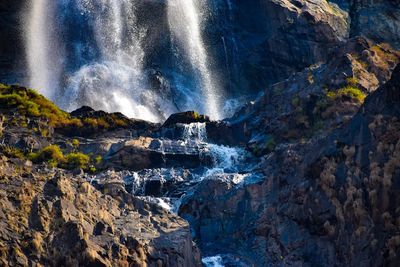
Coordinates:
147	153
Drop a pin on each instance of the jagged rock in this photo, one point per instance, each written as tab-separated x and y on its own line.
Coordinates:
359	65
316	200
378	20
53	218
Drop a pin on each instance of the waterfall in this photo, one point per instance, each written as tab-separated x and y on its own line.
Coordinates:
95	53
185	20
42	48
115	80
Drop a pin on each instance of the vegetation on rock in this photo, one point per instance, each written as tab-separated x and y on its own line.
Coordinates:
30	104
54	156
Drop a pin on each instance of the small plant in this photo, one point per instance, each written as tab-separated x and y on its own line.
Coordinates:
352	81
75	143
270	144
350	91
51	154
12	152
77	160
98	159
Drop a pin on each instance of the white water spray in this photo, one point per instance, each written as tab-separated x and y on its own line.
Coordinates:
195	132
115	82
185	21
42	48
102	59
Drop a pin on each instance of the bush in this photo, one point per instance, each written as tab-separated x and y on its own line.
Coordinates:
75	143
349	91
12	152
51	154
30	103
77	160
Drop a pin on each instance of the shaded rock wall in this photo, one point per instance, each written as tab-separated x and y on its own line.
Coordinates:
329	201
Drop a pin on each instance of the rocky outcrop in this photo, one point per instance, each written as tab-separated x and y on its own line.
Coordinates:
185	118
377	20
318	99
51	218
329	201
148	153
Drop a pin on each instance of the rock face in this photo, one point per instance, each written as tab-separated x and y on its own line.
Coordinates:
55	219
319	98
148	153
377	20
11	44
252	44
330	201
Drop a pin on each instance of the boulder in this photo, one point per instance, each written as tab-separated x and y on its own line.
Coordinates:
185	118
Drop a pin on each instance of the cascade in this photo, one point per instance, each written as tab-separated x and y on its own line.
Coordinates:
185	20
94	52
42	47
114	80
195	131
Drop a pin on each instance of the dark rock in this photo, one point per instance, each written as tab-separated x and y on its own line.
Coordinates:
147	153
316	200
185	118
83	111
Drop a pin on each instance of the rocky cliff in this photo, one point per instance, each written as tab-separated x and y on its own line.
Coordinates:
307	174
327	201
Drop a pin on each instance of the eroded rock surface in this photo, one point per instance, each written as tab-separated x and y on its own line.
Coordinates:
328	201
52	218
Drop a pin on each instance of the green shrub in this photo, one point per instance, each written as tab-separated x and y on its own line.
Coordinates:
12	152
51	154
97	160
77	160
350	91
75	143
30	103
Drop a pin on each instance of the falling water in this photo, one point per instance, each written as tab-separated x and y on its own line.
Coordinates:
185	20
102	61
195	131
115	80
42	49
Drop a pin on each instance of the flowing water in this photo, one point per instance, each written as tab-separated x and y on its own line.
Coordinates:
168	187
42	47
93	52
185	19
